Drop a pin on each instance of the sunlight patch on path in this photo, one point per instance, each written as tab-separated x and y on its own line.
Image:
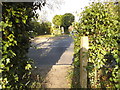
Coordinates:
56	77
67	56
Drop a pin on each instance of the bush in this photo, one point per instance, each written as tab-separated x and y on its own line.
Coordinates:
15	66
40	28
56	30
45	28
100	23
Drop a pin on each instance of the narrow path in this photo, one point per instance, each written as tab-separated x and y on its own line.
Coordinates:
53	58
56	77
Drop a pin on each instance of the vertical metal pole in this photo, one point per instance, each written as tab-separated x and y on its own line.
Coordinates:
83	61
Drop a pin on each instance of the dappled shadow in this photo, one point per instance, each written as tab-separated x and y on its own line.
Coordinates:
50	53
46	57
105	72
39	42
76	77
76	72
80	71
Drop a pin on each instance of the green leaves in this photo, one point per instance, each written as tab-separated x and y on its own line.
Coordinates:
24	21
98	21
67	19
57	20
15	66
28	67
7	60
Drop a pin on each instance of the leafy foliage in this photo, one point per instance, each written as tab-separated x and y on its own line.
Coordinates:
15	66
63	21
56	31
40	28
57	20
100	23
67	20
45	28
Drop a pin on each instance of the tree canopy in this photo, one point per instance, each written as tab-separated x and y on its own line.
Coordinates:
67	20
57	20
63	20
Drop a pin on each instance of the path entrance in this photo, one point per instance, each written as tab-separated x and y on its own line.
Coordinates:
53	57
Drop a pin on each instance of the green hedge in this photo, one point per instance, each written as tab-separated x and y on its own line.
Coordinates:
101	23
15	66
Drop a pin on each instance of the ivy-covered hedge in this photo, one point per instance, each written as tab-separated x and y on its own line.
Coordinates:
101	23
15	66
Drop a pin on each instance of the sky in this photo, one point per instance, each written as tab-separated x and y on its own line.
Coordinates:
64	6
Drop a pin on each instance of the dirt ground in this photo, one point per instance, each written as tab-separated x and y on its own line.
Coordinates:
55	76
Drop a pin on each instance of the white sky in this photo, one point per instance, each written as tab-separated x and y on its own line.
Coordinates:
68	6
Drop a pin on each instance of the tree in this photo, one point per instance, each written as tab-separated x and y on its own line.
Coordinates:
40	28
45	28
57	20
67	20
50	7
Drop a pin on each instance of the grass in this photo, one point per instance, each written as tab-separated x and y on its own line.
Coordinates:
45	36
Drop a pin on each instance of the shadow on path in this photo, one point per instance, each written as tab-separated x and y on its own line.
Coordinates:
76	75
45	58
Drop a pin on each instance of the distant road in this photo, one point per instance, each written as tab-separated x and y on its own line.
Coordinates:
52	51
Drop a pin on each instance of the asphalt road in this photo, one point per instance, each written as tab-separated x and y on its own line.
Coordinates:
55	51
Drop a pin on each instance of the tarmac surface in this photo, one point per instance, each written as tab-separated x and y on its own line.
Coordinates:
52	51
53	59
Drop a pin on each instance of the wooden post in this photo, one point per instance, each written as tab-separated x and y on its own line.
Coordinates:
83	61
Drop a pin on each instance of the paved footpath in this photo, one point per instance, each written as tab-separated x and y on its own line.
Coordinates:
52	51
53	58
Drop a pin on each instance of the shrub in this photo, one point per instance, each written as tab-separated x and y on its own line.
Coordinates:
40	28
15	66
100	22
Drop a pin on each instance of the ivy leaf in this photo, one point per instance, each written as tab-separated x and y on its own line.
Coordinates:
17	20
28	66
24	21
117	86
87	33
7	68
7	60
1	71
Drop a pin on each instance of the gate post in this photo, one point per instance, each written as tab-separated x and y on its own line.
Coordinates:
83	61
